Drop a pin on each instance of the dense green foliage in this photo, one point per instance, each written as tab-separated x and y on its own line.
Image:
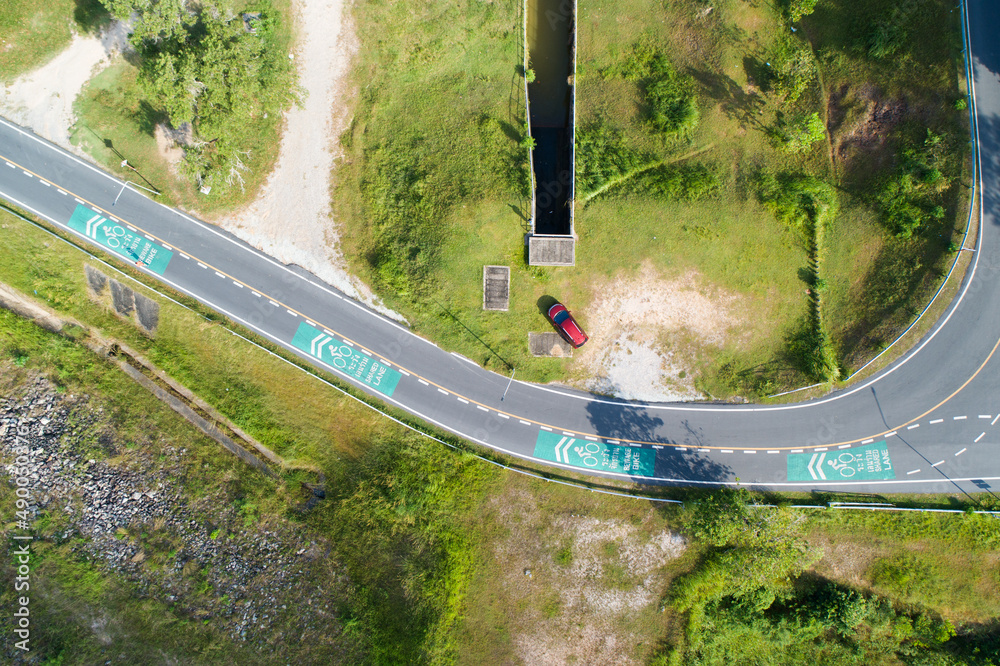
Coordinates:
915	196
749	602
796	134
796	9
670	96
216	68
799	200
408	559
791	68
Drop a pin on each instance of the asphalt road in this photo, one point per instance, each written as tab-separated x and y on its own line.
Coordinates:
928	423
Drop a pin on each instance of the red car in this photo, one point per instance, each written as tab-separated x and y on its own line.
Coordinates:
567	326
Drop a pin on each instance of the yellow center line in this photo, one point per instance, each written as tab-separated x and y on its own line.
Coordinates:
540	424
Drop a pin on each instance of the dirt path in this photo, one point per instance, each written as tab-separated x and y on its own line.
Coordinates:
292	219
43	99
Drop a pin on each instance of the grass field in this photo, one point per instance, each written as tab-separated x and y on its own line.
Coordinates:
668	206
33	33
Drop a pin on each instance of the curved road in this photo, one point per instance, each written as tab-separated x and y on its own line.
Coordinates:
928	423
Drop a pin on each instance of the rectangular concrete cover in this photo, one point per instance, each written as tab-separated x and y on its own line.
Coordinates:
496	288
551	250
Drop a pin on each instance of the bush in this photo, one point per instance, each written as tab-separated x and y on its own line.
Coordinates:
791	67
914	196
670	95
798	200
602	155
203	67
797	134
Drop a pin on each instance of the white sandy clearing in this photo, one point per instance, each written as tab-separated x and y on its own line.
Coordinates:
43	99
639	332
292	220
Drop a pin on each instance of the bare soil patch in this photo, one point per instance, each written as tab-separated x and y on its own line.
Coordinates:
42	100
577	580
647	334
860	122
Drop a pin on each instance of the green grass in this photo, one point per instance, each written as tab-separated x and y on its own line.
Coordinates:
34	33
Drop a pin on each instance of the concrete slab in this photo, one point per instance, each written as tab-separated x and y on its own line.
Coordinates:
122	297
551	251
548	344
496	288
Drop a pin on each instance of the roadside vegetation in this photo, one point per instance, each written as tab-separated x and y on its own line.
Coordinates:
436	183
214	77
428	555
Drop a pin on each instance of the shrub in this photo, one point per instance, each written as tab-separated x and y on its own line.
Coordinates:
792	68
602	155
797	134
670	95
912	198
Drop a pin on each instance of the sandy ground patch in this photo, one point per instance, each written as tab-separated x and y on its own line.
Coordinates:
639	332
292	219
577	580
43	99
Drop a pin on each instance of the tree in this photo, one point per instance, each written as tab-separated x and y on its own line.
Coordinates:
201	66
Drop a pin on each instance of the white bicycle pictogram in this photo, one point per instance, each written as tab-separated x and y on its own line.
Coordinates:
587	453
843	465
339	354
113	235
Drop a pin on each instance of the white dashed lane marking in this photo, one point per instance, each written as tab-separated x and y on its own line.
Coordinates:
202	265
961	452
546	428
844	446
940	462
441	390
976	440
793	450
774	451
985	416
913	471
726	451
868	441
463	401
273	303
219	274
482	408
237	284
915	425
890	434
290	312
937	421
423	382
523	422
959	418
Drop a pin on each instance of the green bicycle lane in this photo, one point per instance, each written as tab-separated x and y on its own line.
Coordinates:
117	237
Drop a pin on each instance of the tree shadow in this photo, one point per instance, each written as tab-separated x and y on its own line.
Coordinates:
735	102
91	16
622	421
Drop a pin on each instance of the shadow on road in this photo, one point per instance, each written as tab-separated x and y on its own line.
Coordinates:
634	423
